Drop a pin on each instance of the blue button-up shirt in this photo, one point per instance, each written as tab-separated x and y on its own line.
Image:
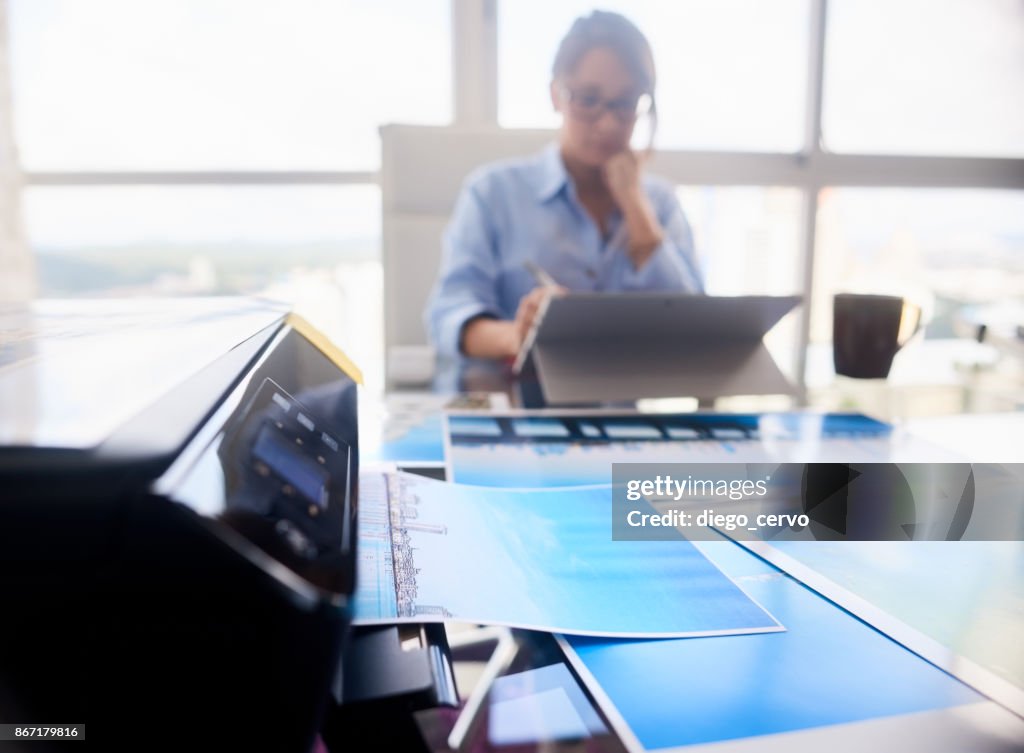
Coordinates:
528	209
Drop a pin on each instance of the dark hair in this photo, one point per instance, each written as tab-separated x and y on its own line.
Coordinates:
611	30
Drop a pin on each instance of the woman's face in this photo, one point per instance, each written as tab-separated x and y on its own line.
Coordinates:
593	98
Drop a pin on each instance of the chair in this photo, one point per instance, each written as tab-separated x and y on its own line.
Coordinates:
422	170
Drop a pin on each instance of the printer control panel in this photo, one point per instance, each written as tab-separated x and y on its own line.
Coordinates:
282	470
286	466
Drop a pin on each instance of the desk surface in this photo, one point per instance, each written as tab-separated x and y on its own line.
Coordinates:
984	437
938	725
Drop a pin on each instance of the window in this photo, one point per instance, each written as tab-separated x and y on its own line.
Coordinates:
316	247
747	237
194	239
946	249
748	242
722	65
219	86
942	77
223	84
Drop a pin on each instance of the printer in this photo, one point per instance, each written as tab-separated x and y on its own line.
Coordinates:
178	506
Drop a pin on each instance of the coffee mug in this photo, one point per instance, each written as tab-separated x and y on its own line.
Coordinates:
868	331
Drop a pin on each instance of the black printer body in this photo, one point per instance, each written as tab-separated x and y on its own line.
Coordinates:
178	505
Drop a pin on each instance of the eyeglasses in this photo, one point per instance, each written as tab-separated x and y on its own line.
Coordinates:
589	107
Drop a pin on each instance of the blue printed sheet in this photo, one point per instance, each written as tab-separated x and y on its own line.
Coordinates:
956	602
543	559
522	449
827	668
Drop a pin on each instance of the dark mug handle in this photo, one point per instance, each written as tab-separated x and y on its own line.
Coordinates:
916	310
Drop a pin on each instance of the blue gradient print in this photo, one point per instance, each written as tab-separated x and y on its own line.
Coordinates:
545	559
827	668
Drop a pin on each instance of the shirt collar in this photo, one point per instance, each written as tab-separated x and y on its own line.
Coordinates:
552	175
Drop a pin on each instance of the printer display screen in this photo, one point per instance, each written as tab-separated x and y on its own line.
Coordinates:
283	469
296	469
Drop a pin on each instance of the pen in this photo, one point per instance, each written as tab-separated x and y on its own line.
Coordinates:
524	349
548	282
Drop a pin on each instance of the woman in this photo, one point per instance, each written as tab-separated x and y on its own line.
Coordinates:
582	210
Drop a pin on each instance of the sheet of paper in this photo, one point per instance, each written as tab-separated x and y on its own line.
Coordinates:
959	604
543	560
533	449
828	668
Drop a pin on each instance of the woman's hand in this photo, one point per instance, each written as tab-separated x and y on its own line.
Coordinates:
529	307
491	338
622	174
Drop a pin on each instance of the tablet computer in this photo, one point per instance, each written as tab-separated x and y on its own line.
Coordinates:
600	347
